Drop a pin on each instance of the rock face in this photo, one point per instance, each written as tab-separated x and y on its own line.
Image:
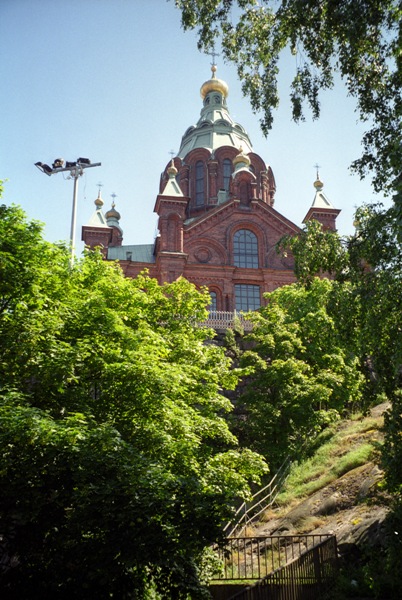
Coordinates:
347	508
351	507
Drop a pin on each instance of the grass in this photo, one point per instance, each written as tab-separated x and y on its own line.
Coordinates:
344	446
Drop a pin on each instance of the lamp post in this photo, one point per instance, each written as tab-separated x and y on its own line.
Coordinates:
76	169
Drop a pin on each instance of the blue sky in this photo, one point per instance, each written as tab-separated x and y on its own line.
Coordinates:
118	81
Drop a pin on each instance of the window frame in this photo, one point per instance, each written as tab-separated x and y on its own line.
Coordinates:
199	183
245	250
247	296
227	170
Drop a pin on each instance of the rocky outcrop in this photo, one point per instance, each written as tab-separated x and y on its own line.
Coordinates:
352	507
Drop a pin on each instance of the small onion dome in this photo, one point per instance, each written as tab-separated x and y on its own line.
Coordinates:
112	213
99	201
318	185
172	171
241	159
214	85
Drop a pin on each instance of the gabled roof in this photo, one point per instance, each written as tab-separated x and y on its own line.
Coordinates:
234	205
98	219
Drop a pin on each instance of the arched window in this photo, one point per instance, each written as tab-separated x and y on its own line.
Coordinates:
227	173
199	183
213	303
245	249
247	297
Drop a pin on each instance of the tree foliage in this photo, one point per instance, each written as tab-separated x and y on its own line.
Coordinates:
326	346
316	252
367	272
305	375
118	465
360	41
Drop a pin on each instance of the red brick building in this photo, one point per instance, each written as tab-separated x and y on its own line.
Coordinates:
217	223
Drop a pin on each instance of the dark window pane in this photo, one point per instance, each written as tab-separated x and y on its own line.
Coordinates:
212	305
199	183
227	173
247	297
245	249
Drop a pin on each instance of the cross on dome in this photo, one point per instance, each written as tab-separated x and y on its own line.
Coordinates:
213	54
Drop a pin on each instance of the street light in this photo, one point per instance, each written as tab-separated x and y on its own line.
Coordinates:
76	170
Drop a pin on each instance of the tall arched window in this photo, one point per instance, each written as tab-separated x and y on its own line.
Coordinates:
227	173
245	249
213	303
199	183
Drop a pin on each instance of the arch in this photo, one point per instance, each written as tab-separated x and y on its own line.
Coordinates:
257	228
216	298
199	183
213	306
200	248
245	249
225	155
227	169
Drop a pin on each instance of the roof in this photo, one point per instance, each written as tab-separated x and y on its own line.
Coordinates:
320	199
139	253
98	219
215	127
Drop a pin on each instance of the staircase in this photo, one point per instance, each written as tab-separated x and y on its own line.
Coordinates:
276	567
301	567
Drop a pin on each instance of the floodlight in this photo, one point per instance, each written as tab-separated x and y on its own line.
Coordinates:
58	163
76	170
44	168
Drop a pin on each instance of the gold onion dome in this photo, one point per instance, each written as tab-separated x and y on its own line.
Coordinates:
241	158
99	201
112	213
318	184
214	85
172	171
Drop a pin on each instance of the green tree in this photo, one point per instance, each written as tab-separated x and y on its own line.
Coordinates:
119	468
360	41
305	376
366	307
316	252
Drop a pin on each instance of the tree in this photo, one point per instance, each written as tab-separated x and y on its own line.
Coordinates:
118	466
305	375
323	331
359	40
365	305
316	252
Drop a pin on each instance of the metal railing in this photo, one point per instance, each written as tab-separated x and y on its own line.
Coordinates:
253	558
221	319
261	500
308	577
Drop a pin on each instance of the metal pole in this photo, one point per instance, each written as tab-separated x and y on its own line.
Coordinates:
74	217
76	170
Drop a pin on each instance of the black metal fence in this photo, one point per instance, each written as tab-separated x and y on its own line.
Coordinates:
253	558
308	577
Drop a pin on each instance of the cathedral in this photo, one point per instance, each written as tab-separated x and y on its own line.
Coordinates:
217	223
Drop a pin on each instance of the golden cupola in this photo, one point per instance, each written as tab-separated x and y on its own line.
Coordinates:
214	85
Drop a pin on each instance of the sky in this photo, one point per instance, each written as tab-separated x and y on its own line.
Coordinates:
117	81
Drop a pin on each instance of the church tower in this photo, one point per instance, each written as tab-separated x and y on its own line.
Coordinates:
322	210
216	218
